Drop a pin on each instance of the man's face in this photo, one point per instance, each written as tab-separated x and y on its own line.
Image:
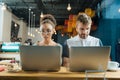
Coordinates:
83	30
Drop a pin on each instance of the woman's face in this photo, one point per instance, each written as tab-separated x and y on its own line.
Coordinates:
47	31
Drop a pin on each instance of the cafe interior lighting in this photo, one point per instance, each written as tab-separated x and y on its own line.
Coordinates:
32	24
29	34
41	15
36	30
69	7
4	7
15	25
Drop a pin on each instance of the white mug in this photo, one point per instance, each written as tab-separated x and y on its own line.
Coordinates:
112	65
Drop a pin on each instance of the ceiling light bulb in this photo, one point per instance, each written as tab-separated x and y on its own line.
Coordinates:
36	30
33	35
29	9
69	7
32	12
41	14
28	33
15	25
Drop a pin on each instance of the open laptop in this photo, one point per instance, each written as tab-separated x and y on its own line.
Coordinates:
40	58
88	58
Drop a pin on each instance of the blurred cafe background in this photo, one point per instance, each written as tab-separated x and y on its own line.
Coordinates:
20	20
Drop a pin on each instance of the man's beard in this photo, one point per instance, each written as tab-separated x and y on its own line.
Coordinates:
83	36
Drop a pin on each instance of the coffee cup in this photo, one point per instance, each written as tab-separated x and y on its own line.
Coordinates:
112	65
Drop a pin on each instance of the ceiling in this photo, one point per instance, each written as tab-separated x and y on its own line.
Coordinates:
58	8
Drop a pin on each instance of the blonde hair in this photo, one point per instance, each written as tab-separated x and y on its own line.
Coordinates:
84	18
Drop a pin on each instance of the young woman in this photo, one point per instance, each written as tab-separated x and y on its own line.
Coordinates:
47	29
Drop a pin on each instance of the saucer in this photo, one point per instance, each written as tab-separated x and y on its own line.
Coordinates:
113	69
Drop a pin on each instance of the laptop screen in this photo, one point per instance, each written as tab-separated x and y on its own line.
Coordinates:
42	58
89	58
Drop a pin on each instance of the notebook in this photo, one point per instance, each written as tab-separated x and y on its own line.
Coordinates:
40	58
88	58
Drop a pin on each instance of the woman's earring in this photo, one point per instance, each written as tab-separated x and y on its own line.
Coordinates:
55	32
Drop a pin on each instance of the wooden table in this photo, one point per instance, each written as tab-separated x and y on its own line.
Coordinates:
63	74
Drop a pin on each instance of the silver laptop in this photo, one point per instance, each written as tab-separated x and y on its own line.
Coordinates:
89	58
40	58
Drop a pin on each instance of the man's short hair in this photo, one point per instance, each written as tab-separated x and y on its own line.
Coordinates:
84	18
